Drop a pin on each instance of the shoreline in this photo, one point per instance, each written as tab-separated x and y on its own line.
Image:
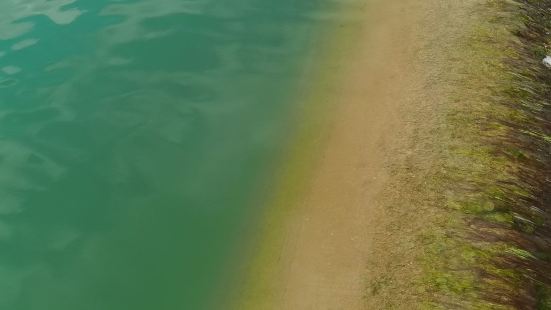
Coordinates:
317	234
420	190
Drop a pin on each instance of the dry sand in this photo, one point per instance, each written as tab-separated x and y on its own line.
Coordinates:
388	87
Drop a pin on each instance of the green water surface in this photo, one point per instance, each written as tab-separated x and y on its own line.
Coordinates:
134	135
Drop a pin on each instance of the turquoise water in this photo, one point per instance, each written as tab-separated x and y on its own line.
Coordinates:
134	136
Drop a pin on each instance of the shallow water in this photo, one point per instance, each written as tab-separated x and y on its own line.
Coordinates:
134	135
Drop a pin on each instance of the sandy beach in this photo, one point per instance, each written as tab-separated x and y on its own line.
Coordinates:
321	251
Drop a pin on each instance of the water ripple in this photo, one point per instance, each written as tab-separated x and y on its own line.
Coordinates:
132	139
12	13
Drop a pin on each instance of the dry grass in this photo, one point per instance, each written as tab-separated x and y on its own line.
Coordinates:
471	201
